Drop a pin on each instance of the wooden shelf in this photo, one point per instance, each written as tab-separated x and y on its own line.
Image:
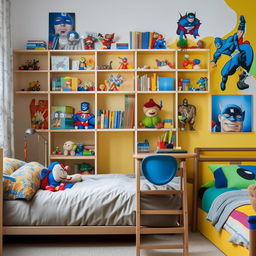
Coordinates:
71	157
31	92
72	92
106	141
72	130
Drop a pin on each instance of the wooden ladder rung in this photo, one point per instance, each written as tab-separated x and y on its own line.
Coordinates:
158	212
158	192
174	230
161	246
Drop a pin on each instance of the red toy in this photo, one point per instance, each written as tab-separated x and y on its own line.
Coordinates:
124	64
107	40
89	42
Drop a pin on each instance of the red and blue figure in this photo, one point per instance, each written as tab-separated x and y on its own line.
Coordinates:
240	53
188	24
54	177
83	119
160	42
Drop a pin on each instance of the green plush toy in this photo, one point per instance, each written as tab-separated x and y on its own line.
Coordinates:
151	119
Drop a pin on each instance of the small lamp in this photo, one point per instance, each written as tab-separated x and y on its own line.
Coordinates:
31	131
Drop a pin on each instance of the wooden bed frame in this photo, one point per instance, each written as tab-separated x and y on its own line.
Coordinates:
201	157
68	230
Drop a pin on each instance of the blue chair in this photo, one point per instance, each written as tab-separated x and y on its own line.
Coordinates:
159	169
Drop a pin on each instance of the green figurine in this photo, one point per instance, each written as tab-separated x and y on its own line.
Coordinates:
151	119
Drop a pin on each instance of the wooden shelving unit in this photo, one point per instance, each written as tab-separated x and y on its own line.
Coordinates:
105	141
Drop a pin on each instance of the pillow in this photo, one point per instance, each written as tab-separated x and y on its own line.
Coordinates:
234	176
27	182
11	164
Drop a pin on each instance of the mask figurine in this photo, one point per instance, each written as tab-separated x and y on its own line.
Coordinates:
151	119
187	114
83	119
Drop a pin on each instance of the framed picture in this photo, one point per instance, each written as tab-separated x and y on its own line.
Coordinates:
60	23
231	113
60	62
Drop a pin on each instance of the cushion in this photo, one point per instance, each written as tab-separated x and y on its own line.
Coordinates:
27	182
11	164
233	176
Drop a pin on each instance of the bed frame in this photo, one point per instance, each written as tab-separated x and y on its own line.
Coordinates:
209	155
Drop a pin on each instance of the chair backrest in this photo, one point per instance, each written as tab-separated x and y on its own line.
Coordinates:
159	169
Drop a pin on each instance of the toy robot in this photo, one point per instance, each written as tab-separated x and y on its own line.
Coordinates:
84	119
187	114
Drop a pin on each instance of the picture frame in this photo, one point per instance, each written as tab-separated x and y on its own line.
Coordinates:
231	113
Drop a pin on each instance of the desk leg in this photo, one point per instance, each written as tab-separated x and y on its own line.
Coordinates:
137	173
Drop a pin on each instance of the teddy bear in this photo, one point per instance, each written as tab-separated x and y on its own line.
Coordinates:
252	194
56	177
69	148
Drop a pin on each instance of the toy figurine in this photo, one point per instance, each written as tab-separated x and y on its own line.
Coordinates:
187	114
57	151
82	63
84	119
115	82
106	41
151	119
89	42
68	148
124	64
33	86
188	24
164	64
56	177
188	64
105	67
74	42
90	64
160	42
79	150
203	83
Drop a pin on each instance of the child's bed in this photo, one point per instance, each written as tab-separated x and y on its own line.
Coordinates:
227	209
100	204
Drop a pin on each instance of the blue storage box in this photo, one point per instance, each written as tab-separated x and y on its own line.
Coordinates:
166	83
62	117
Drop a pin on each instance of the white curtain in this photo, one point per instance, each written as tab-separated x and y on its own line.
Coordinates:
6	86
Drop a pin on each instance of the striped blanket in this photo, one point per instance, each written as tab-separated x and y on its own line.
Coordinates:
230	211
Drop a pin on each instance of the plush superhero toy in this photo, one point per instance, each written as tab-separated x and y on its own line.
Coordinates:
151	120
56	178
84	119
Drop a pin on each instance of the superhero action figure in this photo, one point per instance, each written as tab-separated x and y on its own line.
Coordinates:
188	24
187	115
107	40
160	42
241	54
231	119
84	119
89	42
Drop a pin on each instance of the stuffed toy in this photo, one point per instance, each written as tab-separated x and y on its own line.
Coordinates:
151	119
69	148
56	178
252	193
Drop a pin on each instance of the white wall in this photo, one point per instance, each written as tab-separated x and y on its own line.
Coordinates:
30	17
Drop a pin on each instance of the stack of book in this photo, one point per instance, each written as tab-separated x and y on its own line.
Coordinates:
36	45
142	40
154	83
107	119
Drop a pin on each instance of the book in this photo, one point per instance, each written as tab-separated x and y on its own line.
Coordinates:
165	83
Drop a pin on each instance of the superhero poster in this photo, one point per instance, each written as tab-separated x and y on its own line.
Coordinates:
231	113
60	23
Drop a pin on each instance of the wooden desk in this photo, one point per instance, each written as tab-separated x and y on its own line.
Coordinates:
183	229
